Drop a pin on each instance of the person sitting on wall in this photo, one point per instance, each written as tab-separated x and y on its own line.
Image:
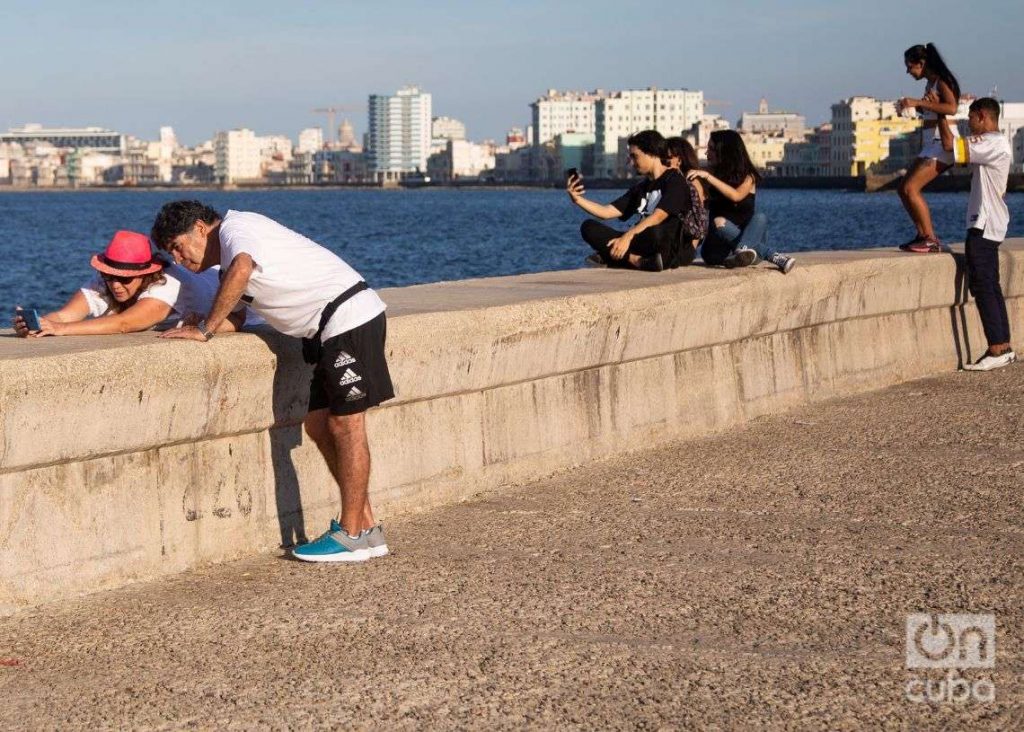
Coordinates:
132	291
655	242
737	237
683	158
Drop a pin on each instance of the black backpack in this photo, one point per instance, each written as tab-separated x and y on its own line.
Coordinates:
695	221
693	225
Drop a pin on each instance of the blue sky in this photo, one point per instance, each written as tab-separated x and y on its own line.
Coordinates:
204	66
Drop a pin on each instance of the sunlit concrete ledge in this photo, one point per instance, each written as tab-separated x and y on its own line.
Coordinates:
128	457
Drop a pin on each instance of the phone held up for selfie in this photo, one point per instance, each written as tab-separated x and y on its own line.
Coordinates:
571	173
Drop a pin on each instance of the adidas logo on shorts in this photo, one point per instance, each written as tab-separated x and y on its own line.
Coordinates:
343	359
349	377
354	394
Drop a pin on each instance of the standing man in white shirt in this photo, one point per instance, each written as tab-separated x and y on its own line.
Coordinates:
302	290
988	153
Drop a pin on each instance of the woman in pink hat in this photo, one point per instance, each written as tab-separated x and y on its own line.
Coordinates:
131	292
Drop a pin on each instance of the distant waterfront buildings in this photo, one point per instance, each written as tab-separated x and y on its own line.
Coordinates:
807	158
1011	124
623	113
861	130
311	139
557	112
86	138
461	159
238	156
447	128
346	136
399	134
583	130
789	125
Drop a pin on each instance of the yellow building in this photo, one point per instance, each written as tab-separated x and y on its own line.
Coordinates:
765	150
861	130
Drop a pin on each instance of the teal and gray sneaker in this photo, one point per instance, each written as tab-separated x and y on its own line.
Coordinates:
376	541
334	545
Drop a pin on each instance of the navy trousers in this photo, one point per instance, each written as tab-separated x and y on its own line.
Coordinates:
983	281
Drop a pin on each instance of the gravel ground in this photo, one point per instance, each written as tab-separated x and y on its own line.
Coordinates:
753	579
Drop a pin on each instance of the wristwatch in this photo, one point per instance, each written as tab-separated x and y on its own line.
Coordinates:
207	334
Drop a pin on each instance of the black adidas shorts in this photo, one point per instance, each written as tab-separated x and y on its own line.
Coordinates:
352	373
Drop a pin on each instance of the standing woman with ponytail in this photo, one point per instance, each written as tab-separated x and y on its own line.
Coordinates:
940	101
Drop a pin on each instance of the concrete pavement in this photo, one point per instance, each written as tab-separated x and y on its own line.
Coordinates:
755	578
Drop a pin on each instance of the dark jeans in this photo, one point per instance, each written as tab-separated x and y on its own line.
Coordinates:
662	239
723	240
983	281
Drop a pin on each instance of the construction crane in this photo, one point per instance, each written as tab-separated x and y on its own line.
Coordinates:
331	113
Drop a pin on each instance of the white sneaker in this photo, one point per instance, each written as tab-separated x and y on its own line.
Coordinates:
989	362
740	257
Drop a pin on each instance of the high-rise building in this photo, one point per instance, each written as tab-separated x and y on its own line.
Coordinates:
621	114
311	139
399	133
238	156
557	112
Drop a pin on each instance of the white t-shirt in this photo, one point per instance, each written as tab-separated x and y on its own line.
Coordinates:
989	156
294	277
184	291
101	301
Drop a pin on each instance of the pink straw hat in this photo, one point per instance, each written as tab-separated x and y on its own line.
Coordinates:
127	255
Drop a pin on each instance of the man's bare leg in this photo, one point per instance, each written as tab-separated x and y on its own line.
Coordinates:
325	433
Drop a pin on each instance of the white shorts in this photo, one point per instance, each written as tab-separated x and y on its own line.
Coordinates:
932	148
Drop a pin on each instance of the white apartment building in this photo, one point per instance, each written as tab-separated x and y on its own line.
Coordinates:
444	129
557	112
447	128
6	153
399	133
461	159
469	159
621	114
311	139
238	156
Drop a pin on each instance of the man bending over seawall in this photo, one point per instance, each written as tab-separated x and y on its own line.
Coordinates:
305	291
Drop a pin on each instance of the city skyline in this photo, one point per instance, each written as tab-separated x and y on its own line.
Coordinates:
254	65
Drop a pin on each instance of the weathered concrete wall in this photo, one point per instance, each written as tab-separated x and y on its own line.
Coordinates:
128	457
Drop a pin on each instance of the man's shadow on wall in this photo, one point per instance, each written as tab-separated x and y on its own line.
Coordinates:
290	399
957	312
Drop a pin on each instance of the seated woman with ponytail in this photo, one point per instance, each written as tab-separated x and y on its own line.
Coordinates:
737	236
132	291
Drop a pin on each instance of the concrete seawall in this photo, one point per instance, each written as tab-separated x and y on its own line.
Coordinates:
125	458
